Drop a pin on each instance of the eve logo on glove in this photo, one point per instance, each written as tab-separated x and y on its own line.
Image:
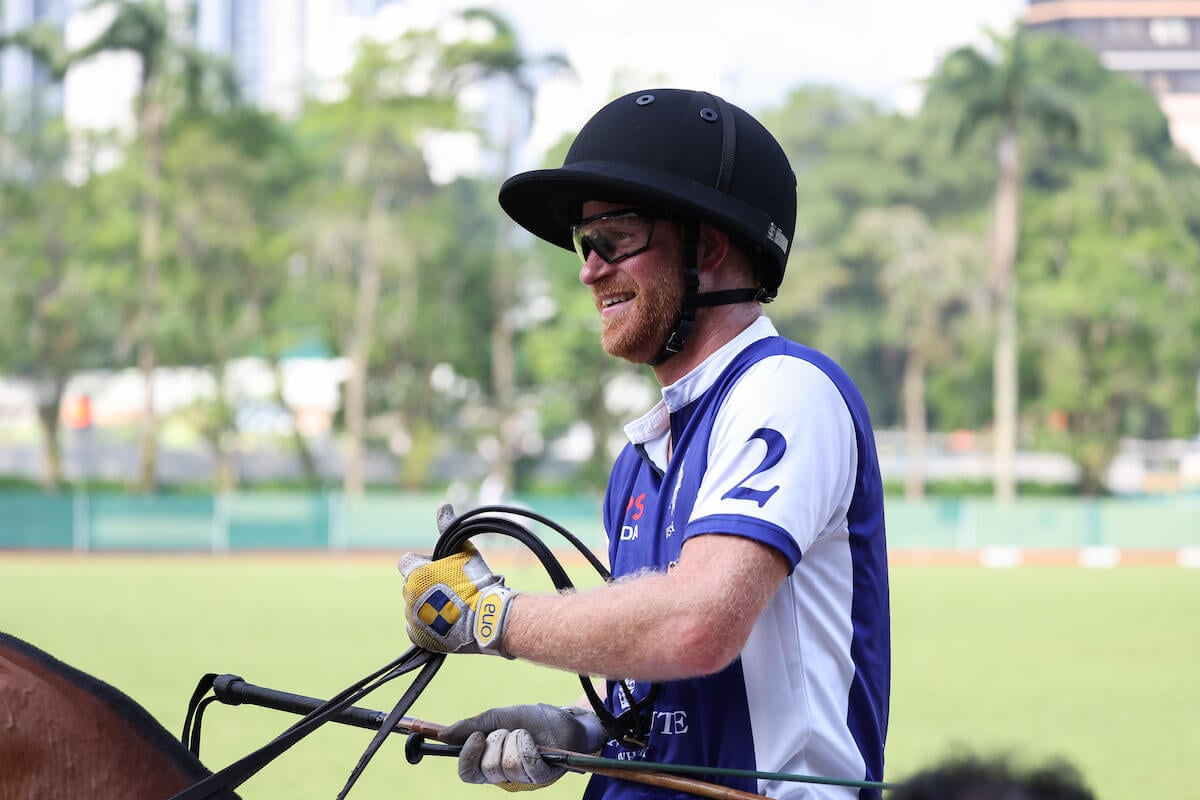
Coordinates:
489	614
487	618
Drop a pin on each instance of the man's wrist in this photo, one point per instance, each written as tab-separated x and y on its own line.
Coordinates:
491	617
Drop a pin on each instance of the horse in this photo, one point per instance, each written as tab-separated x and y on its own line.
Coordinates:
66	735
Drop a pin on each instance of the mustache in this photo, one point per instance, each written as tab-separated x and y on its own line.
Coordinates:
613	286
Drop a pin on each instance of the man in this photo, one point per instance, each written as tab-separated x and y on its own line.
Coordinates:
748	623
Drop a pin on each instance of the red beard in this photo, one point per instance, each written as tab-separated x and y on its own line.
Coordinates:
638	329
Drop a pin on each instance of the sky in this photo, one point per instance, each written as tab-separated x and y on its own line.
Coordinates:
751	52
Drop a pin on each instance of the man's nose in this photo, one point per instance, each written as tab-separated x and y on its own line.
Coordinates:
594	268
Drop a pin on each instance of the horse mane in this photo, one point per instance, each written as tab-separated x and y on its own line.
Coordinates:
122	705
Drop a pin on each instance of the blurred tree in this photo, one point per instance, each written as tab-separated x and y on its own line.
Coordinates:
850	158
268	232
1116	304
57	291
172	73
371	173
222	255
930	281
1006	93
832	139
434	366
1112	245
401	94
490	57
824	132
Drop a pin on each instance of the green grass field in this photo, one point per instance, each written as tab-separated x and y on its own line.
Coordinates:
1097	666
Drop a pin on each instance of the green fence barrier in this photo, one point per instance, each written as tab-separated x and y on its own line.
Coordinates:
295	520
403	521
34	519
274	520
151	522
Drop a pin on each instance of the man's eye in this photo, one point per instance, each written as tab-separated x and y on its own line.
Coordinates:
623	232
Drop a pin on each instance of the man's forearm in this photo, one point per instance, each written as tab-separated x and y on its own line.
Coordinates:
637	629
693	620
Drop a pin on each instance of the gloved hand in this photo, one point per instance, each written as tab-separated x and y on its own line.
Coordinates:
455	604
501	745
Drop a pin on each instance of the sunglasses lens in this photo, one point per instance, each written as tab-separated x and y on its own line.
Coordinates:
614	236
585	244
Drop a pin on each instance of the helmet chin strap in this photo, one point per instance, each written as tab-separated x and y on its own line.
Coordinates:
693	299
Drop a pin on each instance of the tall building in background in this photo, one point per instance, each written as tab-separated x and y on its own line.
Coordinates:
282	51
27	91
286	50
264	39
1155	42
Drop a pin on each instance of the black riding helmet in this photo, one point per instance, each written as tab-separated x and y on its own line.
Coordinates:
687	153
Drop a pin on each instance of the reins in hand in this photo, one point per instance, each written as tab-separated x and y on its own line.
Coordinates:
485	519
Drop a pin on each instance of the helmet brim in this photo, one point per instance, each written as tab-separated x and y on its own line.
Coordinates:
548	202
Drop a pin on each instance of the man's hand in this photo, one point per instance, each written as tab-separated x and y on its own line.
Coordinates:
501	745
455	604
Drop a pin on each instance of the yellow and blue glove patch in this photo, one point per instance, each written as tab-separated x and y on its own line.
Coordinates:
439	612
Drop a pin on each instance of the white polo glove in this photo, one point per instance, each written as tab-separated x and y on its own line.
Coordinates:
501	745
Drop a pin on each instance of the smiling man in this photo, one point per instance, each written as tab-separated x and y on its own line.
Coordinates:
748	622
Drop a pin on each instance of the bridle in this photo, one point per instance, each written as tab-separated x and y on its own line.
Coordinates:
630	727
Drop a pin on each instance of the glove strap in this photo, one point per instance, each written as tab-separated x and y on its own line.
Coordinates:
491	614
593	727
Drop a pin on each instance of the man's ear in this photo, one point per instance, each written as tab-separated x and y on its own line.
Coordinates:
714	246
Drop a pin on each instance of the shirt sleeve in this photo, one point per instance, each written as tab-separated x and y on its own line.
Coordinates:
782	459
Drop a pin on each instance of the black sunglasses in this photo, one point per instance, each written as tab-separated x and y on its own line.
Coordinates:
614	235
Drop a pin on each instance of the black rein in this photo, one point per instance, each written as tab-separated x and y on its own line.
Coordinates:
485	519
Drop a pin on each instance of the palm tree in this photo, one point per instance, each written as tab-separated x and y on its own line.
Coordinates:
497	58
930	282
56	290
163	51
371	167
384	144
145	28
1002	92
35	201
162	45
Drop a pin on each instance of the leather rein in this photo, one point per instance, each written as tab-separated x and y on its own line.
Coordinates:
497	519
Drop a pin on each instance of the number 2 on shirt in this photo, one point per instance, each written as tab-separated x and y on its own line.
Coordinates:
776	447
